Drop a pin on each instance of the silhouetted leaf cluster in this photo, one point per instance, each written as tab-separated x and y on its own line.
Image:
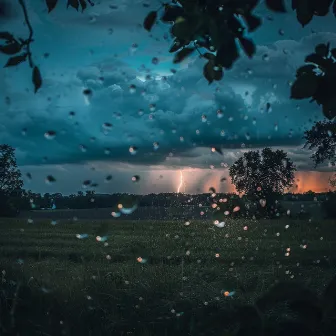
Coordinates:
76	4
19	50
317	79
211	25
306	9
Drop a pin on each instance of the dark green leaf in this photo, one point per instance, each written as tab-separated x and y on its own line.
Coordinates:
15	60
276	5
305	86
51	4
11	48
171	13
248	46
295	4
227	54
317	59
322	50
83	4
182	54
209	56
73	4
304	12
333	52
218	73
36	78
329	111
176	46
6	36
183	30
208	72
252	22
150	20
304	69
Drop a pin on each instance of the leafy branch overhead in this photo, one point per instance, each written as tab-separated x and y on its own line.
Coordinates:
216	26
76	4
317	79
19	49
209	26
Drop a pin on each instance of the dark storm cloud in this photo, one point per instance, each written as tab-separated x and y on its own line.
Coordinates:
106	50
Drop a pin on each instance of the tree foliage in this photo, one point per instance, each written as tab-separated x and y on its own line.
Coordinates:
10	179
317	79
10	175
322	139
267	172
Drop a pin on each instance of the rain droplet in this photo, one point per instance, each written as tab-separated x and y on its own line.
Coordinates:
220	114
265	58
83	148
86	183
136	178
50	179
132	88
108	178
133	150
50	135
262	202
82	235
156	145
155	60
236	208
87	92
107	126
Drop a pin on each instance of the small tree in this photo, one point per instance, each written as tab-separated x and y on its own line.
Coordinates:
322	139
263	175
10	180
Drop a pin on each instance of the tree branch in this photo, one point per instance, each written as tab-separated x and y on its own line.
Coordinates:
30	38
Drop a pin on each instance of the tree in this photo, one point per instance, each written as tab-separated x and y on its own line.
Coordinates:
262	176
10	180
268	171
322	138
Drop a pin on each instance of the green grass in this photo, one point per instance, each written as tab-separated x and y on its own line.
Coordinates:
88	293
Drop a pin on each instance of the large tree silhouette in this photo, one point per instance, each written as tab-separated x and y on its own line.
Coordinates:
267	171
322	139
10	179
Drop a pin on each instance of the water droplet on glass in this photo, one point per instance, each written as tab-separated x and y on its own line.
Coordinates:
50	179
83	148
132	88
50	135
86	183
133	150
82	235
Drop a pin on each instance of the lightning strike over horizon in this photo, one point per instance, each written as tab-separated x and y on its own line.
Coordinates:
181	181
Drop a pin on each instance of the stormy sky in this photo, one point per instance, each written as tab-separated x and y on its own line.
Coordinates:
147	116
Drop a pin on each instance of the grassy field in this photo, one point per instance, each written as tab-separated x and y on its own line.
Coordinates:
151	278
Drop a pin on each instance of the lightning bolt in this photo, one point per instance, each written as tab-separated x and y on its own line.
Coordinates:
181	182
